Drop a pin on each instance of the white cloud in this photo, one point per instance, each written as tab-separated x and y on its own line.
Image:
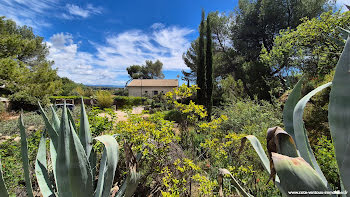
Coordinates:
108	64
36	13
28	12
75	10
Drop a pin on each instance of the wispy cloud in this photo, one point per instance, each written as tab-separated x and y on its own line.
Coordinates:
108	64
28	12
37	13
75	10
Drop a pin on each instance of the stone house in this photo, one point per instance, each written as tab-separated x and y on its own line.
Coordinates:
151	87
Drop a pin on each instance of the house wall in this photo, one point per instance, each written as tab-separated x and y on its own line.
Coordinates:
136	91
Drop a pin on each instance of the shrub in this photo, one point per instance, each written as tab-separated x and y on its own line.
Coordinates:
2	107
121	92
66	97
249	117
104	99
100	123
129	101
174	115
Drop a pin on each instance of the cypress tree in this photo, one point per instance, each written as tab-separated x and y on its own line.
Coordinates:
201	64
209	71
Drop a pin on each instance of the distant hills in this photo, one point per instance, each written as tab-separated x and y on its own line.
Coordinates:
105	86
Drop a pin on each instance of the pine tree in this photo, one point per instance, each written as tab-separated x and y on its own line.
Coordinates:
201	65
209	71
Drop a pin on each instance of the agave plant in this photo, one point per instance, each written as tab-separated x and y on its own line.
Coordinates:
73	160
290	161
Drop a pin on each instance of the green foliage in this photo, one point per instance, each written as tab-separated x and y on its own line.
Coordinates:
2	107
201	64
10	152
70	156
26	74
104	99
174	115
52	98
190	111
121	92
209	71
101	123
153	139
152	70
10	127
249	117
129	101
324	152
232	89
313	47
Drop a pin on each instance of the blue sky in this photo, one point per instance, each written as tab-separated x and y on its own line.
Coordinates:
92	42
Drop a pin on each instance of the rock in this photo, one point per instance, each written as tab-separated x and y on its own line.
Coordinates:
17	139
31	128
5	137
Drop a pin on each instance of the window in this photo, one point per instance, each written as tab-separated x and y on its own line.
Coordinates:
155	92
146	92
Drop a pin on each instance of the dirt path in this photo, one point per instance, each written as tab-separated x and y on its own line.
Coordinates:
122	116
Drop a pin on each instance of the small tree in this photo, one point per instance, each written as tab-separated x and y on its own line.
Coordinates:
201	65
209	71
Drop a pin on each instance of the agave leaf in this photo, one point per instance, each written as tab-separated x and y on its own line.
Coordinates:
235	183
41	171
54	119
92	161
258	149
134	176
85	133
288	109
129	185
71	119
300	132
101	174
80	173
263	158
3	189
296	174
53	155
281	142
108	165
50	129
63	152
24	154
339	115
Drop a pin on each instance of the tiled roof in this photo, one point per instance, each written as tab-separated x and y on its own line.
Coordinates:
154	82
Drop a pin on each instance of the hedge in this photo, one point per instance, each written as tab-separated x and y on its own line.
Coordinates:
129	101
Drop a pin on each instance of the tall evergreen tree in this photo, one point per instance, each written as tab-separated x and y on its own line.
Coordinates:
201	64
209	71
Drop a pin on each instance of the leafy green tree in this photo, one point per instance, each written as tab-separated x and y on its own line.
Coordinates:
209	71
24	71
151	70
67	86
313	48
201	64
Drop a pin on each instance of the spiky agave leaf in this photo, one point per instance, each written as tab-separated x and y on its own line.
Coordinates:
339	115
24	154
235	182
296	174
84	132
289	106
41	171
63	151
301	138
108	165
